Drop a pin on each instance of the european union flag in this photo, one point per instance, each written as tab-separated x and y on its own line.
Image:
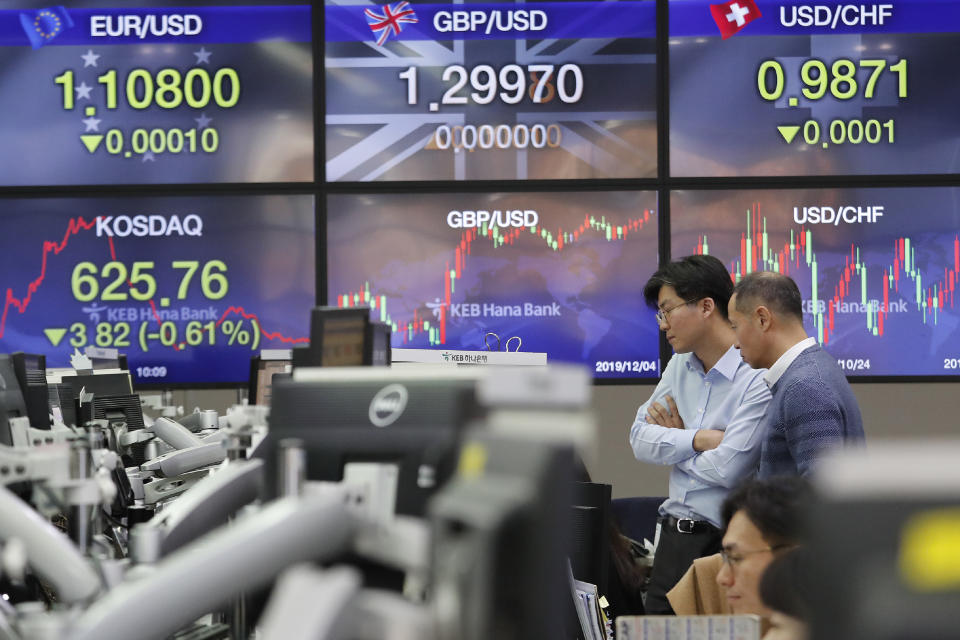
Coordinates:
43	25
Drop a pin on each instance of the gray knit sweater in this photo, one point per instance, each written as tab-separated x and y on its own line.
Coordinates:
812	411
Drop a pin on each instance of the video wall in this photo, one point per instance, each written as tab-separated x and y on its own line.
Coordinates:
516	168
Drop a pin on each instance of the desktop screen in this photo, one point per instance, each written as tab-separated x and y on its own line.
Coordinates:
490	90
155	92
189	288
12	404
813	89
877	267
562	271
412	419
263	378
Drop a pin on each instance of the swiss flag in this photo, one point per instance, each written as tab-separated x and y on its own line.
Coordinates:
734	15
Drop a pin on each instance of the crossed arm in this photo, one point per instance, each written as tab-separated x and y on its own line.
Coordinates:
669	416
738	453
720	457
659	443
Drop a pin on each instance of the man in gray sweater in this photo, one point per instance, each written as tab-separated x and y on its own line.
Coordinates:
813	408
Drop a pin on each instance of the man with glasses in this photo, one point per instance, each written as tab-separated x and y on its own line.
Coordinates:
703	418
762	519
813	409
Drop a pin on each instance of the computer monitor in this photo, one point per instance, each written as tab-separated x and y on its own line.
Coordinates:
262	370
874	287
101	359
31	370
501	540
412	418
590	548
99	384
884	543
12	404
344	337
559	272
236	103
186	291
571	117
378	351
118	411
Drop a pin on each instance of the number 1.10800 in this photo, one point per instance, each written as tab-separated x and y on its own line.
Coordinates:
168	88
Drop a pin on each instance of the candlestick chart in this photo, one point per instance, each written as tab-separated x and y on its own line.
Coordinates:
187	287
562	271
878	268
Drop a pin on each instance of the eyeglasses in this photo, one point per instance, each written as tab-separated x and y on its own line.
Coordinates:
733	559
663	314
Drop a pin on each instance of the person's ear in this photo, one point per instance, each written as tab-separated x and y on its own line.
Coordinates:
707	306
764	318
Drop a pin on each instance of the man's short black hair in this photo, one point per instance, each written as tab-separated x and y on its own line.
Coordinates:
777	506
777	292
693	278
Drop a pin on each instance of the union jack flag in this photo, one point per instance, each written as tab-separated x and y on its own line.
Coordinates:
391	19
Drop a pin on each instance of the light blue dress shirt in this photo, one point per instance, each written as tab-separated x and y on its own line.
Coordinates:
731	397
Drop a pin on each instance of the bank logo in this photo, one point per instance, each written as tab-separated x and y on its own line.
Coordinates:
43	25
734	15
390	21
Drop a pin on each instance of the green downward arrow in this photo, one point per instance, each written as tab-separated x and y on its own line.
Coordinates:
55	335
91	142
788	132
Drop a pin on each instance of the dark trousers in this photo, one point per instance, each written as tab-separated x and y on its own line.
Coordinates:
676	551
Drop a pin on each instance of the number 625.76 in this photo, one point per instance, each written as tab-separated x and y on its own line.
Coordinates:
113	280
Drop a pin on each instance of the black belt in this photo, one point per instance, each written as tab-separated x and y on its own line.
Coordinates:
685	525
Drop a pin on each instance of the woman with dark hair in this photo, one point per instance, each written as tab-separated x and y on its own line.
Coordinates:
785	589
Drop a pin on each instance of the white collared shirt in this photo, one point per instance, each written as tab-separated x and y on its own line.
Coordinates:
783	362
732	397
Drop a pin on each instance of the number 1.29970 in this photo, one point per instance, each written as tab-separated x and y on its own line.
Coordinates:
511	83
